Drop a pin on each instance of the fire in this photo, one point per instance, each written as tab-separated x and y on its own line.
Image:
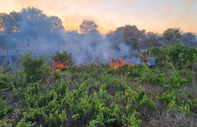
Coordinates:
122	62
58	66
116	63
116	66
2	29
131	65
15	29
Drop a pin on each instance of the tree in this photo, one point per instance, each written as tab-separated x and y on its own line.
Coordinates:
55	24
2	19
87	26
152	39
33	24
116	36
133	31
7	42
94	33
172	33
12	22
27	25
188	38
2	41
124	32
9	22
133	42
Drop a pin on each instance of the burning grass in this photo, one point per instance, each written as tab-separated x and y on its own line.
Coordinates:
1	28
58	66
114	64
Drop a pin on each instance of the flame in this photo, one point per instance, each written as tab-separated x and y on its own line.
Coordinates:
58	66
131	65
2	29
15	29
116	66
116	63
122	62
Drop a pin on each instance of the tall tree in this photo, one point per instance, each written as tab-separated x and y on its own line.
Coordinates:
152	39
172	33
9	22
33	24
2	23
55	24
124	32
133	42
12	22
87	26
95	33
133	31
188	38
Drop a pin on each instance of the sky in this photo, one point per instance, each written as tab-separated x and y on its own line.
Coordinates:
151	15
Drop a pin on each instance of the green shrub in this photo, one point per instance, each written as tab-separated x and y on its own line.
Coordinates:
64	58
5	67
34	69
4	81
4	109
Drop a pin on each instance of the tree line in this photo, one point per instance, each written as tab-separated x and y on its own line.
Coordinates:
138	39
32	23
29	24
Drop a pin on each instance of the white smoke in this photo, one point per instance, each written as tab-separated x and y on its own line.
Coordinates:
85	52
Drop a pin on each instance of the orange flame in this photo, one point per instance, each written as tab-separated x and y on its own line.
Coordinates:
122	62
131	65
116	66
15	29
2	29
58	66
116	63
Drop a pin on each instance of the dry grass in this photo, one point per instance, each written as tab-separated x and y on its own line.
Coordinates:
175	119
154	89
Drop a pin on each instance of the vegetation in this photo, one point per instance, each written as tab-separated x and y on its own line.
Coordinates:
87	26
29	24
64	58
98	95
63	94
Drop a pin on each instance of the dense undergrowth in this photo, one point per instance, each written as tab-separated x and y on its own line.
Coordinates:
95	95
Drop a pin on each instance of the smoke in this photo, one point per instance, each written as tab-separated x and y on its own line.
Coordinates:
89	48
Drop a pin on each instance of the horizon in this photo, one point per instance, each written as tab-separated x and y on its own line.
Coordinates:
154	16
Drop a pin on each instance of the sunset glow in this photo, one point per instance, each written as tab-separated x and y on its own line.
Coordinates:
151	15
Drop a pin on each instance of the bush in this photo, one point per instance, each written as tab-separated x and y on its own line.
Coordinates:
34	69
4	81
4	109
5	67
63	58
